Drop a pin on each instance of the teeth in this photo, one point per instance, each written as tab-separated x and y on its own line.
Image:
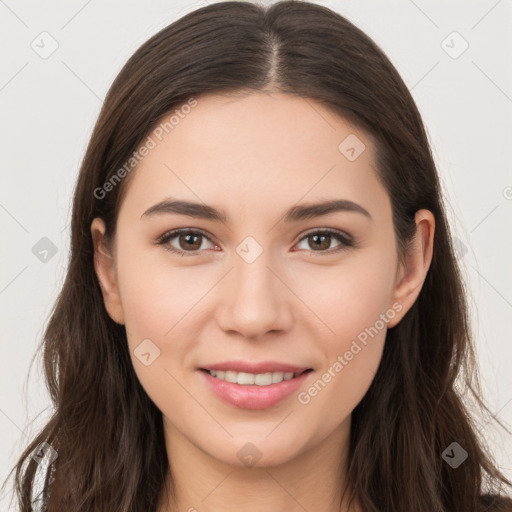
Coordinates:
248	379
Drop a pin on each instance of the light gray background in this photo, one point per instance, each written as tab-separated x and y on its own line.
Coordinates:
49	107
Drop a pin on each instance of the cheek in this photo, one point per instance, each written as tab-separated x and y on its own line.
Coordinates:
352	303
351	355
161	306
340	386
348	298
158	299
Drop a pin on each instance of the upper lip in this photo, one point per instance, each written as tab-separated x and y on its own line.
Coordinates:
262	367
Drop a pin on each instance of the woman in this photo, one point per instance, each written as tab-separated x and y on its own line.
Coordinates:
262	309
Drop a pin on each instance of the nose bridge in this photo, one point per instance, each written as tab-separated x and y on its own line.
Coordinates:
251	274
254	302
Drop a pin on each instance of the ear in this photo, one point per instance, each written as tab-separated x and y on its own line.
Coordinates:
411	275
104	265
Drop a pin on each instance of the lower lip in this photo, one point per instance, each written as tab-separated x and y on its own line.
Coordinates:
254	397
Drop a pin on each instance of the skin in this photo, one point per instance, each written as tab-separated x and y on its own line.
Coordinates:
254	156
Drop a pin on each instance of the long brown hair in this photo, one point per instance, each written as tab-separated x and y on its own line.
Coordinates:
105	430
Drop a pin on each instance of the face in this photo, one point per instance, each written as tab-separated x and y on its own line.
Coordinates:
257	282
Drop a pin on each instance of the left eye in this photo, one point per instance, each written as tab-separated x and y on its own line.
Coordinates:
192	241
321	240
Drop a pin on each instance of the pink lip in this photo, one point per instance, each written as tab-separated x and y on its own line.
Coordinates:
247	367
253	397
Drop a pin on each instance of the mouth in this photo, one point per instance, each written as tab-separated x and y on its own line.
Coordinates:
246	390
254	379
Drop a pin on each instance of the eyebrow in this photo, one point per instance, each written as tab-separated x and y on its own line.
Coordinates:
294	214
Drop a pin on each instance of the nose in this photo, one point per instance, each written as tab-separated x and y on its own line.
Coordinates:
255	299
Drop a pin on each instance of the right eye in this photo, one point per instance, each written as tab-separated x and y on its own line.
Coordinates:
186	239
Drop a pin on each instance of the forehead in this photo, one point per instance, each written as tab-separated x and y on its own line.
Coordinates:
255	150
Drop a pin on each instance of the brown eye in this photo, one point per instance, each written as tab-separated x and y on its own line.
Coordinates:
320	241
185	242
189	241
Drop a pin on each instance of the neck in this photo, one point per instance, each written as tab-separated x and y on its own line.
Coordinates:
313	480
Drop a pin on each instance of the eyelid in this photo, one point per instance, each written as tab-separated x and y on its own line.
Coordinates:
173	233
346	241
331	231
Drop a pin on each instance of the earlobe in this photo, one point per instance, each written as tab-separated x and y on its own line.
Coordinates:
412	274
104	266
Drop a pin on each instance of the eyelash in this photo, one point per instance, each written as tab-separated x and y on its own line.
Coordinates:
345	242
